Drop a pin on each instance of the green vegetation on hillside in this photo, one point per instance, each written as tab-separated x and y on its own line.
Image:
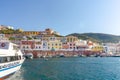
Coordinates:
10	31
100	37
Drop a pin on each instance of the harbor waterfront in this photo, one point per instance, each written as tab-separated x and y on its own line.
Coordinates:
59	40
79	68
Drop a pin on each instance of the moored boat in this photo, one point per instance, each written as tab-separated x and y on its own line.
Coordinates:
11	59
28	56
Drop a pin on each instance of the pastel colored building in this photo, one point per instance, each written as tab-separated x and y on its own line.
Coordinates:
72	45
52	38
98	48
62	39
45	38
38	45
48	38
65	46
31	45
27	45
90	44
44	45
54	45
112	48
71	39
81	45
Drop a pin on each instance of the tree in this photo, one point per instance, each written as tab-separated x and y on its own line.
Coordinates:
11	38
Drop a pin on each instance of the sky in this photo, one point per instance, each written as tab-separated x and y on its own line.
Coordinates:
63	16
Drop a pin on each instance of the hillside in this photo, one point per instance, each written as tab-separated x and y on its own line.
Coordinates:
100	37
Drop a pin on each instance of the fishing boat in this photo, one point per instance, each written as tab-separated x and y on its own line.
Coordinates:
11	59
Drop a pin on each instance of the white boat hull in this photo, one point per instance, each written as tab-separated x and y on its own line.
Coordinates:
9	68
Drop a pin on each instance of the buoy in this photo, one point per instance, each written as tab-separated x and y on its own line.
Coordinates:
3	44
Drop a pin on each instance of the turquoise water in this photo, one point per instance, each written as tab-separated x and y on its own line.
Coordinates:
90	68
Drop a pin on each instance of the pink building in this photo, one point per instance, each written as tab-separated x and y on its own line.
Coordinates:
27	45
72	45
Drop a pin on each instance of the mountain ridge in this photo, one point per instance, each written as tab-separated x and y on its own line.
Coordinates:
98	37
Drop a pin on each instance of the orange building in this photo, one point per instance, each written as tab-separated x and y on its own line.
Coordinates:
65	46
31	33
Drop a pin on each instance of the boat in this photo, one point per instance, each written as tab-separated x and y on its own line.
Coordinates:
46	59
11	59
75	55
28	56
61	55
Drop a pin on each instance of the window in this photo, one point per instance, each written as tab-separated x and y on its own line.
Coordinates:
59	44
9	58
23	46
70	39
77	47
73	39
48	47
44	44
23	42
74	47
27	47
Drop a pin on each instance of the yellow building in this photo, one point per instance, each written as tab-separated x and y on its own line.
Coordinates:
97	48
31	33
54	45
72	39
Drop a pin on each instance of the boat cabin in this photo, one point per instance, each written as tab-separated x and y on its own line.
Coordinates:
9	52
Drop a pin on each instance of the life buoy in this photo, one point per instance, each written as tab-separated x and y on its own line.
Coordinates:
2	44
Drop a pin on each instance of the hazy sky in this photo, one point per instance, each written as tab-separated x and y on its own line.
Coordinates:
64	16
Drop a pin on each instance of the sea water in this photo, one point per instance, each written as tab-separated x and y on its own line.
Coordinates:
81	68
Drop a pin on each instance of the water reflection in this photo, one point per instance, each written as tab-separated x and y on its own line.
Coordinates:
18	75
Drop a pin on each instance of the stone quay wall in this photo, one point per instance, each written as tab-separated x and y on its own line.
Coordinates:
39	53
